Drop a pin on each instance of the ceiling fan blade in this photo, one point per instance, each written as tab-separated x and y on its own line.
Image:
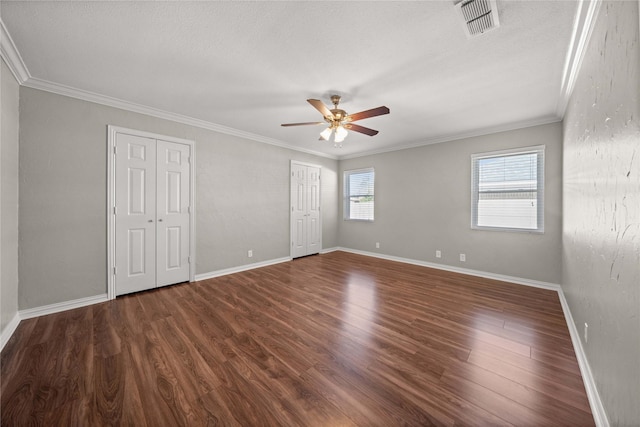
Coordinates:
368	113
319	105
303	124
361	129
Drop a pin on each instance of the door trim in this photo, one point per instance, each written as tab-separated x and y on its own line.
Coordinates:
291	224
112	132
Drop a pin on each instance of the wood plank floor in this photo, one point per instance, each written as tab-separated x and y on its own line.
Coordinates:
328	340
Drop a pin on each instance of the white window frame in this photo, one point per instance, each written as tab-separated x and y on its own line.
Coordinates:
346	194
539	150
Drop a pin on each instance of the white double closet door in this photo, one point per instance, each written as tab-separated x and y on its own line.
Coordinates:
306	224
152	213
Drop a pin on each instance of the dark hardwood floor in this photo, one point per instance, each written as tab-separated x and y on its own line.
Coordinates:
328	340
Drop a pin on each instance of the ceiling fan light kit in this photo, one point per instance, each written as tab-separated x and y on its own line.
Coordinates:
326	134
339	121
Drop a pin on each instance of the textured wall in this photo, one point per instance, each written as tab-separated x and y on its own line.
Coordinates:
423	203
242	196
601	231
9	196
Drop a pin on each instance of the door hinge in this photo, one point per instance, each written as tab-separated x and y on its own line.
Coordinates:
188	260
115	210
115	149
115	270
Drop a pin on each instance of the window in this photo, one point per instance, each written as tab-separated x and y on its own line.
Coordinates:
507	190
358	194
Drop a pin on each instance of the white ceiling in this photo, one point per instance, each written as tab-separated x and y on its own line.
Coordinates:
250	66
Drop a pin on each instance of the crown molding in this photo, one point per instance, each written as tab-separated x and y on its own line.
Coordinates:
97	98
480	132
585	20
11	56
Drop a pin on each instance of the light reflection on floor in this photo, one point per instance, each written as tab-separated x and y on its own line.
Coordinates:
359	312
501	352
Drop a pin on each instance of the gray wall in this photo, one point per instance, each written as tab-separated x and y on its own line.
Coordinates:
8	196
601	232
423	203
242	196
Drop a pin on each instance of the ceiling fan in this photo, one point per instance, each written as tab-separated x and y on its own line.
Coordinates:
339	121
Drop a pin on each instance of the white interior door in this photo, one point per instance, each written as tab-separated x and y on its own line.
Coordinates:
173	168
306	226
314	231
136	213
298	210
152	213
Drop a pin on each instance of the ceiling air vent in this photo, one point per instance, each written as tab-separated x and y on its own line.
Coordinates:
479	16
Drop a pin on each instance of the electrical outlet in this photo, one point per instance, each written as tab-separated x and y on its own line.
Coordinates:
377	245
586	332
438	254
463	258
250	253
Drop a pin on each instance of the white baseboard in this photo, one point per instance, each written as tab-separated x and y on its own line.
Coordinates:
478	273
43	311
61	306
82	302
327	250
240	268
597	408
9	330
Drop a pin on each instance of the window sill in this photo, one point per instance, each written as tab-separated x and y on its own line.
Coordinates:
509	230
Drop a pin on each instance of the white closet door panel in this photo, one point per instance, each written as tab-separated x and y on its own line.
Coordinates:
173	193
137	191
314	232
174	249
299	236
299	217
137	248
173	169
135	217
306	228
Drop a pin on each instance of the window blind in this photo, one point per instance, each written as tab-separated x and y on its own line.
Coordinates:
508	189
359	194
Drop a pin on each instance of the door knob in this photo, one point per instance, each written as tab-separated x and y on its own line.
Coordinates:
150	220
160	220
